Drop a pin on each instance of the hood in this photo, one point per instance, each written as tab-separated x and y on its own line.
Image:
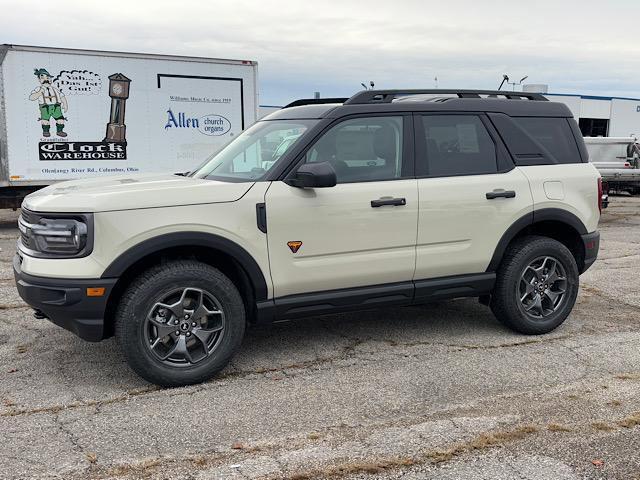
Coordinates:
126	192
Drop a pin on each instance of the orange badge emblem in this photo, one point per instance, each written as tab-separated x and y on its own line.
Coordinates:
294	246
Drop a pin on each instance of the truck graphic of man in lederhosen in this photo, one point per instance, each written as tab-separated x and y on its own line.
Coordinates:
51	102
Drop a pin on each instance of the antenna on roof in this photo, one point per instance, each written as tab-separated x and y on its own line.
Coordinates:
505	78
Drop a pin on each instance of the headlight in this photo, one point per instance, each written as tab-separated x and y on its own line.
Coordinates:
53	235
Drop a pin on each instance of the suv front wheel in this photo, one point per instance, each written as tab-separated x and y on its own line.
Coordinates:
180	323
536	285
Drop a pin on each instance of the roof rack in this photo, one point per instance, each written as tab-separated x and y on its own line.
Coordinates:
387	96
314	101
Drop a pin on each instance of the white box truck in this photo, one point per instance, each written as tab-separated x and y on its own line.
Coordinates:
67	114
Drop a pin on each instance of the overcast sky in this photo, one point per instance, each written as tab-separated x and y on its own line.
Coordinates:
302	46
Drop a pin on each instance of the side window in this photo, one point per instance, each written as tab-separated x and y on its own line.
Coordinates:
457	145
362	149
554	134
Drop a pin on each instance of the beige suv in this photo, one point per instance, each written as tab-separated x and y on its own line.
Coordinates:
385	198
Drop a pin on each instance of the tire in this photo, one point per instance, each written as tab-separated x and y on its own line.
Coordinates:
521	275
186	311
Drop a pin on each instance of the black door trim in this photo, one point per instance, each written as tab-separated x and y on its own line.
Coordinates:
343	300
363	298
471	285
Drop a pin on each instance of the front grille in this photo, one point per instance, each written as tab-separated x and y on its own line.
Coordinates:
29	217
25	239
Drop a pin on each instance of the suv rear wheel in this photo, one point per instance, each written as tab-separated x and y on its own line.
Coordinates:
180	323
536	285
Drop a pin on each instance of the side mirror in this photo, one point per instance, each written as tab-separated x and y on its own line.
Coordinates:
314	175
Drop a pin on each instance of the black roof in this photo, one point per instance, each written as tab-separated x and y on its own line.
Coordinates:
514	104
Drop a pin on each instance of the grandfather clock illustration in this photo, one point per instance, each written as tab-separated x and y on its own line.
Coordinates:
119	92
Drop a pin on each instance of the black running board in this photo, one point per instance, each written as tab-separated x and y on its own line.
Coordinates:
364	298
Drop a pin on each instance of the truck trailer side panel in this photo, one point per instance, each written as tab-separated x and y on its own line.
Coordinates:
70	114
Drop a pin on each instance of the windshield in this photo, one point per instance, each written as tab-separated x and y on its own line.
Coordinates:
256	150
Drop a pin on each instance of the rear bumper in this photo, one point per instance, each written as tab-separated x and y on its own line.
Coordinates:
65	302
591	242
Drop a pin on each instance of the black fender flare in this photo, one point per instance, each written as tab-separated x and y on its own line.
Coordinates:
191	239
544	214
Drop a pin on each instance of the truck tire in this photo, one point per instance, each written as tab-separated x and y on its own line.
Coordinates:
536	285
180	323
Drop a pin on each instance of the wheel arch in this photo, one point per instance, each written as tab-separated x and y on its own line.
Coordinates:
555	223
224	254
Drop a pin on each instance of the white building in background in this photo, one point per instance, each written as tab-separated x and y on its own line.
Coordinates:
603	116
598	116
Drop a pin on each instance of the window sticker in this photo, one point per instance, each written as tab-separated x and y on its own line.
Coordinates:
468	138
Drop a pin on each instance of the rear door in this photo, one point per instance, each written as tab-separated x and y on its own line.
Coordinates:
347	237
470	194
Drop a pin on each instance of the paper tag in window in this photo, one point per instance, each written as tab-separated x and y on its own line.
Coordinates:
468	138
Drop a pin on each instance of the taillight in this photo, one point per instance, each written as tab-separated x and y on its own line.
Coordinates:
600	194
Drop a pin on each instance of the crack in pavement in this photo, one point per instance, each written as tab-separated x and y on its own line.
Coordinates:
75	442
467	346
14	306
55	409
431	456
503	438
596	291
348	351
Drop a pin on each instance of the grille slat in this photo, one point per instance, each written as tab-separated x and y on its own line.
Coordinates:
29	217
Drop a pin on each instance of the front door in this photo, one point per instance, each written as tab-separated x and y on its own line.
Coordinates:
361	232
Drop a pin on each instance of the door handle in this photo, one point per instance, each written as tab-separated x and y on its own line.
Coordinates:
500	193
388	201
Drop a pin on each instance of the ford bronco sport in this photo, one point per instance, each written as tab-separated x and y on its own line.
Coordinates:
386	198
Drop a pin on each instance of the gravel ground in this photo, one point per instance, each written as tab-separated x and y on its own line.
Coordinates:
440	391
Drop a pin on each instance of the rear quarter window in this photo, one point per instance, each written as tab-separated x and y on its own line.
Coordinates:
554	134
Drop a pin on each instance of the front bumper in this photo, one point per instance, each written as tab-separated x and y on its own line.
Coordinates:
65	302
591	242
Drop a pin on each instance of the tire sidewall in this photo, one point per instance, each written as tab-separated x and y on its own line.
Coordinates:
517	318
132	315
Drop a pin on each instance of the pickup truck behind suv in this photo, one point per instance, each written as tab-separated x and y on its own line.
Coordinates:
388	198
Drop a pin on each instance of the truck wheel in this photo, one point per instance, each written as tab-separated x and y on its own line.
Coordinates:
536	285
180	323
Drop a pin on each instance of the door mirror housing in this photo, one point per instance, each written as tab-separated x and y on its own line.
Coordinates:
314	175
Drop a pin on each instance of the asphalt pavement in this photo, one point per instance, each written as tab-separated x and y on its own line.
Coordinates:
441	391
